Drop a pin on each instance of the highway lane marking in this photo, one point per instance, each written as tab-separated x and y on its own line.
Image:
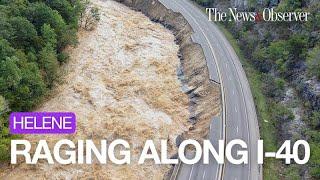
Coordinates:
220	170
233	92
246	113
235	108
204	175
243	95
237	129
191	172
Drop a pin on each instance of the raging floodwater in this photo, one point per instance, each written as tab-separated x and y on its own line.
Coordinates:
121	82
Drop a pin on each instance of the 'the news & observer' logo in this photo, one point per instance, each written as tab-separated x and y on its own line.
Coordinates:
268	14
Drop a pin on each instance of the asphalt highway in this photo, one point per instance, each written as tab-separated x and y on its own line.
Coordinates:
238	118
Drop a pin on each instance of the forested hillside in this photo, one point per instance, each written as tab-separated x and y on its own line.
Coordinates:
33	34
282	61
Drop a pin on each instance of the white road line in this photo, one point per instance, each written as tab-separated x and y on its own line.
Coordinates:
191	172
237	129
204	175
233	92
235	108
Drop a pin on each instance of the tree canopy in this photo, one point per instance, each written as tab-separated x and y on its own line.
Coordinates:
33	34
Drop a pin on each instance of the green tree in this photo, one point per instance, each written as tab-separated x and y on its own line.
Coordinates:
48	35
31	56
4	106
63	57
24	33
204	2
313	62
261	60
16	7
33	34
31	88
273	87
278	53
280	113
278	50
4	139
289	5
10	74
315	160
297	46
315	119
40	14
49	64
6	30
5	49
65	9
4	144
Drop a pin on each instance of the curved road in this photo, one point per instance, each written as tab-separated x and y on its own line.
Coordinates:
239	119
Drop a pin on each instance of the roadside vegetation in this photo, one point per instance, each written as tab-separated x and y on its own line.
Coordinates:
33	35
277	57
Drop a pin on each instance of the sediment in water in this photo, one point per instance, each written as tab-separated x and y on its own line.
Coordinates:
204	95
122	83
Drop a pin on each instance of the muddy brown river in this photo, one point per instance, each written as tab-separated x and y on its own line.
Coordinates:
121	82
